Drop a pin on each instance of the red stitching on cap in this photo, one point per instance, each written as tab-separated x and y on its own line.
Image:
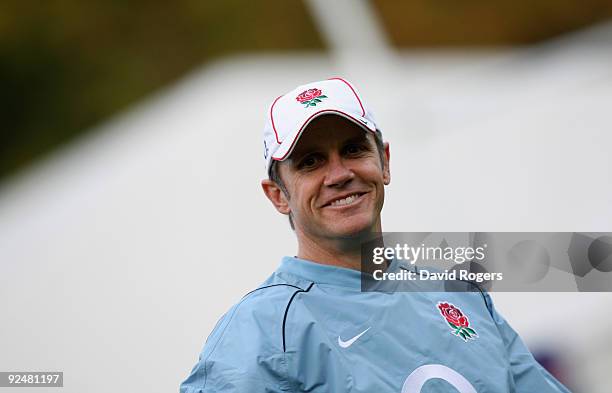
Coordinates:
272	119
353	90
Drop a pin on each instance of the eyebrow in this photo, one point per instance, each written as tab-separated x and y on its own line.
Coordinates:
361	138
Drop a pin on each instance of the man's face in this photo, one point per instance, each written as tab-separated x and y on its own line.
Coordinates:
335	180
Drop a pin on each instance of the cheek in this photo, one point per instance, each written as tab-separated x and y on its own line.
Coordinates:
303	193
375	175
374	167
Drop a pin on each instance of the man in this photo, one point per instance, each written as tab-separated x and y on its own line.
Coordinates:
309	327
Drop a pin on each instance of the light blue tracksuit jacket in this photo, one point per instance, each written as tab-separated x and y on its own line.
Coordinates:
310	328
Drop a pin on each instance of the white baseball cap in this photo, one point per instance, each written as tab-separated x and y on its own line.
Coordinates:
290	114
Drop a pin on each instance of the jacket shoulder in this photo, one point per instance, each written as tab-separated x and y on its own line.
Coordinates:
257	320
245	349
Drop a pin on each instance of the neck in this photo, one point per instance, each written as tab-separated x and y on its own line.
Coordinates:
341	252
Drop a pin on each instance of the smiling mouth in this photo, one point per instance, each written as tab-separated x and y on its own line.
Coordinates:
346	201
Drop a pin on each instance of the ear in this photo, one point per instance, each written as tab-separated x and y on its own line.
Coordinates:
276	196
386	170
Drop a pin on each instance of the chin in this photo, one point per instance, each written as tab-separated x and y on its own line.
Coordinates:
352	227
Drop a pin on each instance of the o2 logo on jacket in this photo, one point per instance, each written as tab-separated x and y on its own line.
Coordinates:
415	381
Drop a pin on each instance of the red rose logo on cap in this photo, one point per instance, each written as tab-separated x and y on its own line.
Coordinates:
457	321
310	97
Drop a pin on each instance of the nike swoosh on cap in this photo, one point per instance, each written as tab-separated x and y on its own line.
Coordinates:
348	343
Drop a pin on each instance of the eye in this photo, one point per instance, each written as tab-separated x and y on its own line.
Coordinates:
355	149
309	162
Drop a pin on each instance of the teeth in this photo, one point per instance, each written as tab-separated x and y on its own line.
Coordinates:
348	200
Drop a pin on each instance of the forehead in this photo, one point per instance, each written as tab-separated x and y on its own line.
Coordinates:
329	131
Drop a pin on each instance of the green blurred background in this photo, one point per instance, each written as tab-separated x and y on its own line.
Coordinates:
65	66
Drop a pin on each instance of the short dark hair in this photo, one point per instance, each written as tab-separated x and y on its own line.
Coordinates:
274	175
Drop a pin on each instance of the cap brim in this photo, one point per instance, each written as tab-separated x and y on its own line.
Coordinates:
289	143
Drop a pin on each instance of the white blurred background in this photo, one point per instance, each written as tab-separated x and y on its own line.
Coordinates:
120	250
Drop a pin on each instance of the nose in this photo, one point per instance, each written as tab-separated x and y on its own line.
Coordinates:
338	174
